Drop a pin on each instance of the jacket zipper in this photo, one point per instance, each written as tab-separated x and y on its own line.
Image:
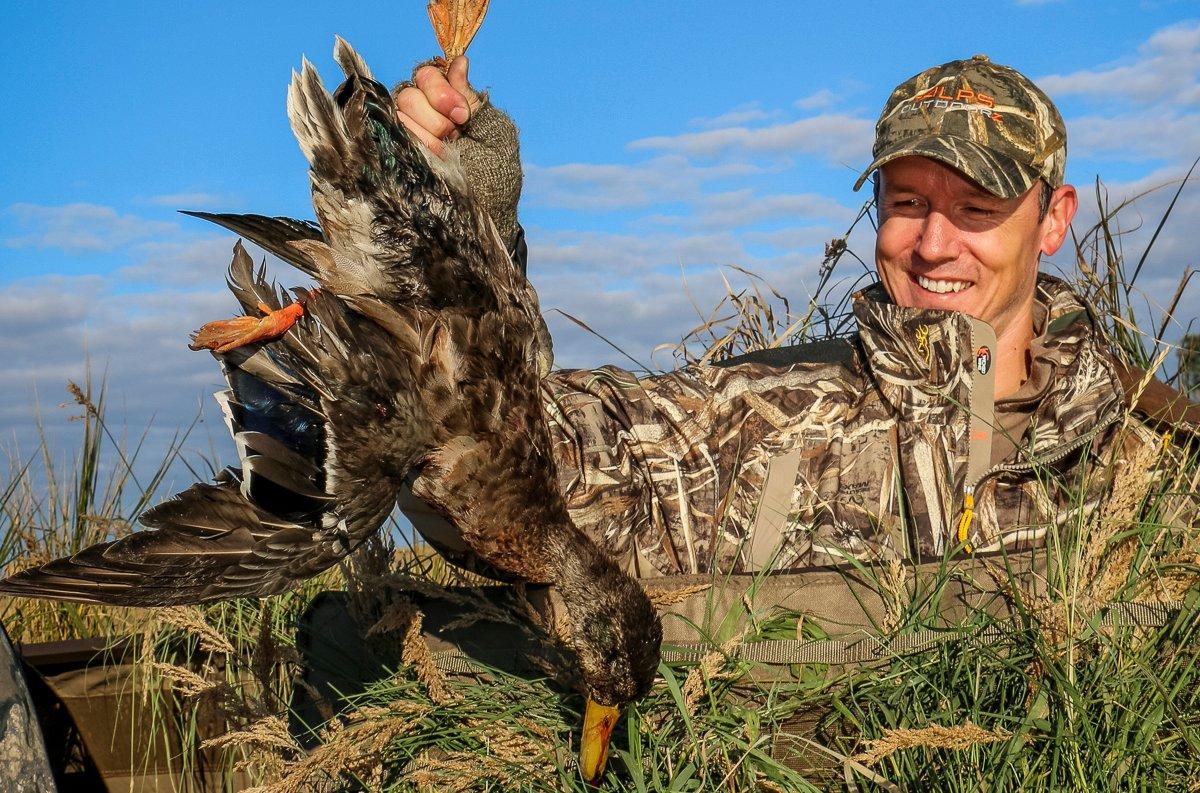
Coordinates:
968	513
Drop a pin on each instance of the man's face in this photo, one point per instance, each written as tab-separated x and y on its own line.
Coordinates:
945	242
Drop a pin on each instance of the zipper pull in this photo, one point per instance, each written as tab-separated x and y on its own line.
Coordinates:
968	515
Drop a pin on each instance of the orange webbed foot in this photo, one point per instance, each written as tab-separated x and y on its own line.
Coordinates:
224	335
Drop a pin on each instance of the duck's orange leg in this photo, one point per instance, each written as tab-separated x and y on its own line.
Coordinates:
224	335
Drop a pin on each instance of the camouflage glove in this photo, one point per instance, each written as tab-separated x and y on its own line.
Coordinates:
491	157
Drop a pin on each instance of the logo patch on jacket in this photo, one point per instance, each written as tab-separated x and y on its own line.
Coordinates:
983	360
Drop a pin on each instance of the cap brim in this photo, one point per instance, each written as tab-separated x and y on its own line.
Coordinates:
997	173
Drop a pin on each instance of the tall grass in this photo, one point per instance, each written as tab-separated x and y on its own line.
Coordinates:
758	316
1136	324
1047	695
51	508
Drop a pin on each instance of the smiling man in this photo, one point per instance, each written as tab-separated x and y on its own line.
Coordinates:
968	412
971	157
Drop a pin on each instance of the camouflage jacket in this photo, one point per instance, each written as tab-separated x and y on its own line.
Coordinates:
869	452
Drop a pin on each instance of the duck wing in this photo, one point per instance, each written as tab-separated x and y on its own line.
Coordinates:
213	544
322	443
275	234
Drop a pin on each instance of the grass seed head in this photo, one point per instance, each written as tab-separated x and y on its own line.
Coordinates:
958	738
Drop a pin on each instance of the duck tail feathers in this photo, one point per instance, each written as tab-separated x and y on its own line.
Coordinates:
351	62
316	122
249	285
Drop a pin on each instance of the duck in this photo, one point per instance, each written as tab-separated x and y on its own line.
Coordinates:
412	362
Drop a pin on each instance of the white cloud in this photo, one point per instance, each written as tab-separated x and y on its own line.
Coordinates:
653	281
816	100
51	301
628	285
80	228
738	208
657	308
1166	70
1153	133
594	186
182	263
54	329
794	238
1134	225
838	137
1145	112
643	290
603	258
747	113
196	200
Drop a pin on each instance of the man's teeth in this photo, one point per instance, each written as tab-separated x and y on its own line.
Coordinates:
941	287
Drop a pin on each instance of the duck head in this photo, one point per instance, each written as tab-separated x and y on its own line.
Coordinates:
617	635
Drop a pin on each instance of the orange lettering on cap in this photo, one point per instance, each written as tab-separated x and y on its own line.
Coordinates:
984	99
964	95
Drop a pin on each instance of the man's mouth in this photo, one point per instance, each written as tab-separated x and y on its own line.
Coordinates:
941	286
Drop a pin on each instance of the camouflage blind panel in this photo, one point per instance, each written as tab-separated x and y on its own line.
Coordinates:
986	120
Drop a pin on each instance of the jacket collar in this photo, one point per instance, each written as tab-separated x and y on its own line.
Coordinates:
926	362
921	359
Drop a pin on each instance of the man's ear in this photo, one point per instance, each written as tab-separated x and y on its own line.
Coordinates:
1063	203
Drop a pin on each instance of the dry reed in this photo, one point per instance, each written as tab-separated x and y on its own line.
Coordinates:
957	738
270	732
662	597
191	620
183	680
893	587
1106	564
415	652
698	679
347	750
457	772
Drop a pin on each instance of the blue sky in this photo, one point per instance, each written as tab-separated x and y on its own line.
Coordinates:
657	138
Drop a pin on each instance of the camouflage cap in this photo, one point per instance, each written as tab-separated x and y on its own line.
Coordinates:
986	120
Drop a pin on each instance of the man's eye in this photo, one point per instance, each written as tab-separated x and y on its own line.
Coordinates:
979	211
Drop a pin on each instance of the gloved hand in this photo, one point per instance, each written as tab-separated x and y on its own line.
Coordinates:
438	107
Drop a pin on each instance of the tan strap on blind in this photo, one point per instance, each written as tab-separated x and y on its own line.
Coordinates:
869	647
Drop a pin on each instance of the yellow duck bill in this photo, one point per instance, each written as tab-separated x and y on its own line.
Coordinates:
598	723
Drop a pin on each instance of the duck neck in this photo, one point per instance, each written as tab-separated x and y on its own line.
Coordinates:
614	627
580	572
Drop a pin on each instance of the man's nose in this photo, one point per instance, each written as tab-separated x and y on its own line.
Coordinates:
939	239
